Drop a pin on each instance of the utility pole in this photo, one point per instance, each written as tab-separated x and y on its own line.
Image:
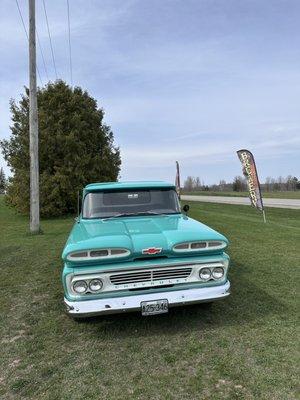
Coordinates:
33	127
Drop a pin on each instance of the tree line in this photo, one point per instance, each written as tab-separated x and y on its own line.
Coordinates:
239	184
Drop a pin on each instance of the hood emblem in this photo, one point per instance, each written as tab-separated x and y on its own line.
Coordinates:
152	250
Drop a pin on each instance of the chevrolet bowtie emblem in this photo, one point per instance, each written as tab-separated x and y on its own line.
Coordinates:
152	250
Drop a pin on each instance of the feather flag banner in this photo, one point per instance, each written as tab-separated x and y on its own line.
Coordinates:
250	173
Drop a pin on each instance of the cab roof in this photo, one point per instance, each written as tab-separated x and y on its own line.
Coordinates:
92	187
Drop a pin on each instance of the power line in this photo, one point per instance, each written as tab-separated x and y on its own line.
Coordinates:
22	20
52	52
42	54
70	52
26	33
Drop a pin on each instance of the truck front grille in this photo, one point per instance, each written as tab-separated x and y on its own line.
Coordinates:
144	277
159	275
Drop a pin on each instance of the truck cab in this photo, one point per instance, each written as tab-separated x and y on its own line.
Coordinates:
133	249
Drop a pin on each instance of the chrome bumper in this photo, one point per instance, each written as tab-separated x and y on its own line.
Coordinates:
86	308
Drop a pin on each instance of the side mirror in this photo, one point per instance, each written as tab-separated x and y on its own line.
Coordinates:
186	208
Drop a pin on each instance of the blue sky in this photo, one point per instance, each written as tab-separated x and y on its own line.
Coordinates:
184	80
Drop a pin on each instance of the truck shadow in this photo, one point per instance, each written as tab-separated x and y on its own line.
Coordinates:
247	302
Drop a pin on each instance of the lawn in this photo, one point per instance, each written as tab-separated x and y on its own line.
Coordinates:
271	195
244	347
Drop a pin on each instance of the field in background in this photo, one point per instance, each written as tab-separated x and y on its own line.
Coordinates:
271	195
244	347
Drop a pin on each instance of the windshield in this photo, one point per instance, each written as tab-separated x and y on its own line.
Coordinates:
130	202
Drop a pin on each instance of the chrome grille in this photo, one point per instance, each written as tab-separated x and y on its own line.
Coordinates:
173	274
150	276
120	279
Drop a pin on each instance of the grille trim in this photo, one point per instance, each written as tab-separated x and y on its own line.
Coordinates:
150	276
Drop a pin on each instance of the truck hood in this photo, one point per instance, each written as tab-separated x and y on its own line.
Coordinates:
138	233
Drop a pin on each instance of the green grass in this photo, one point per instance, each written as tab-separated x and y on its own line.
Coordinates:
244	347
271	195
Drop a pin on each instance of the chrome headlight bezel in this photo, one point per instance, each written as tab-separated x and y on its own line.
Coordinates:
77	283
87	280
209	275
92	282
214	273
212	276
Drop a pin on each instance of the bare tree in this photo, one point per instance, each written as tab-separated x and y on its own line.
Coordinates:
188	184
268	184
197	183
222	185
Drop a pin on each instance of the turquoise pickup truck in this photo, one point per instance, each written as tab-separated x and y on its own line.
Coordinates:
133	249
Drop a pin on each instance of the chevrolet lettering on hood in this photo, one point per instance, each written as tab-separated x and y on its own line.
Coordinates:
133	249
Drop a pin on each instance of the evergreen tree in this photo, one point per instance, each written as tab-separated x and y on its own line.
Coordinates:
75	148
2	181
239	184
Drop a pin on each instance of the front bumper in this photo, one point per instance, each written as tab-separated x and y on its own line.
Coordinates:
86	308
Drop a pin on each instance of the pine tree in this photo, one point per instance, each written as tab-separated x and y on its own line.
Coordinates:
75	148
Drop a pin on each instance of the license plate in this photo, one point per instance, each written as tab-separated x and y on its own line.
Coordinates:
154	307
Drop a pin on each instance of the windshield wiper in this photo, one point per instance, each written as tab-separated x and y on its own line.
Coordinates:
120	215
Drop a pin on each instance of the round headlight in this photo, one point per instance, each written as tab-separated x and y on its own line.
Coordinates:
80	286
205	274
218	273
95	285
